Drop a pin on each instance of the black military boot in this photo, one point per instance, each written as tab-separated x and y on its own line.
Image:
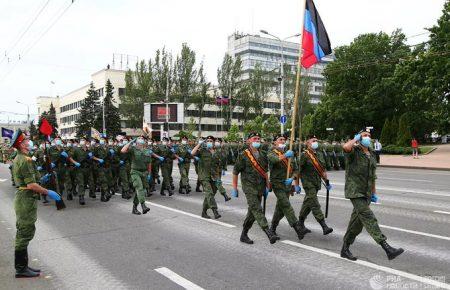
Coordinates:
158	180
272	237
205	214
390	251
152	187
81	200
300	230
345	252
180	190
226	197
302	223
21	265
170	191
103	197
45	199
92	194
145	209
188	189
273	228
26	259
135	210
130	194
326	230
69	196
162	192
216	213
148	193
125	195
245	238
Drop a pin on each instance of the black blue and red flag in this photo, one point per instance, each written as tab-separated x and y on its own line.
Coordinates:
315	43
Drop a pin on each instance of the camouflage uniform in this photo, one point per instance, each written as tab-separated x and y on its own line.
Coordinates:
360	175
253	185
184	152
140	160
208	175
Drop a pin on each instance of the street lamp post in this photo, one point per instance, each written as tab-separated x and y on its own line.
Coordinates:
28	111
281	71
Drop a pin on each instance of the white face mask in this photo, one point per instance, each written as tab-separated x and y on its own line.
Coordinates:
164	142
217	144
281	146
92	143
110	143
82	143
184	142
150	143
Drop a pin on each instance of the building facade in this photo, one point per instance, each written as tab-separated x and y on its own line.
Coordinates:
269	54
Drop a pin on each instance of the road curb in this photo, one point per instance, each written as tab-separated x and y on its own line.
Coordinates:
414	167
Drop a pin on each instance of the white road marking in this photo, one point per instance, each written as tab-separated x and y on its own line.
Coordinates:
388	270
3	180
440	211
343	198
406	190
405	179
416	232
186	284
192	215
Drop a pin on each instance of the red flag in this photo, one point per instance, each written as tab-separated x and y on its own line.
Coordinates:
45	127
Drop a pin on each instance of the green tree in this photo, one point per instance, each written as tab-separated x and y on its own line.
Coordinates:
138	90
393	130
271	127
385	138
112	116
255	125
233	134
228	76
200	97
404	132
88	112
260	86
51	118
34	133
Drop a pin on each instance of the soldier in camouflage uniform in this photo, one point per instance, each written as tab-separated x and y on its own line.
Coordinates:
311	181
166	154
69	172
278	164
101	166
81	158
254	186
25	205
140	171
223	156
58	157
114	166
208	173
184	164
124	170
360	175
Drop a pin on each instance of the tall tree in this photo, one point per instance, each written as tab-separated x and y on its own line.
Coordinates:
138	90
112	116
260	86
228	77
200	97
88	112
51	118
34	133
185	76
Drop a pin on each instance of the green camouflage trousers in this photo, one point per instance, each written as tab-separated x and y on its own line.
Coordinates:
25	206
123	176
184	173
166	171
69	176
311	203
140	184
254	211
102	177
209	189
84	176
362	216
283	207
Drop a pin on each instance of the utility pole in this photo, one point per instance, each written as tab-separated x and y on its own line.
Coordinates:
167	105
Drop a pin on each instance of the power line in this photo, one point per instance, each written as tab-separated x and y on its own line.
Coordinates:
25	31
29	47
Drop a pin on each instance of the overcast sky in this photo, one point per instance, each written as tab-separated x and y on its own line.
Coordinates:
86	36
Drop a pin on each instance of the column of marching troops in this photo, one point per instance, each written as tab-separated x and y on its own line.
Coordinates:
135	167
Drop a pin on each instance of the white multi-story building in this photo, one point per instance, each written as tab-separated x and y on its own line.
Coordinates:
67	106
268	53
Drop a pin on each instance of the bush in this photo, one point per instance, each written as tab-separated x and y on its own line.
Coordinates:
400	150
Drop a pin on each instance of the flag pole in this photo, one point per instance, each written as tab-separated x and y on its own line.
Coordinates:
297	85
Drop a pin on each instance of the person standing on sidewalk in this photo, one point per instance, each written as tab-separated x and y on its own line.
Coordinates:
377	148
415	148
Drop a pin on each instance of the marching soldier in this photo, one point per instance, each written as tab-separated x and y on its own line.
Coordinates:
360	175
140	172
81	159
208	173
69	172
312	170
166	159
253	167
25	203
100	155
184	164
223	156
124	170
278	164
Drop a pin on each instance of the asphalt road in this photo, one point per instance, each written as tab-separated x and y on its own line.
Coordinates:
104	246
